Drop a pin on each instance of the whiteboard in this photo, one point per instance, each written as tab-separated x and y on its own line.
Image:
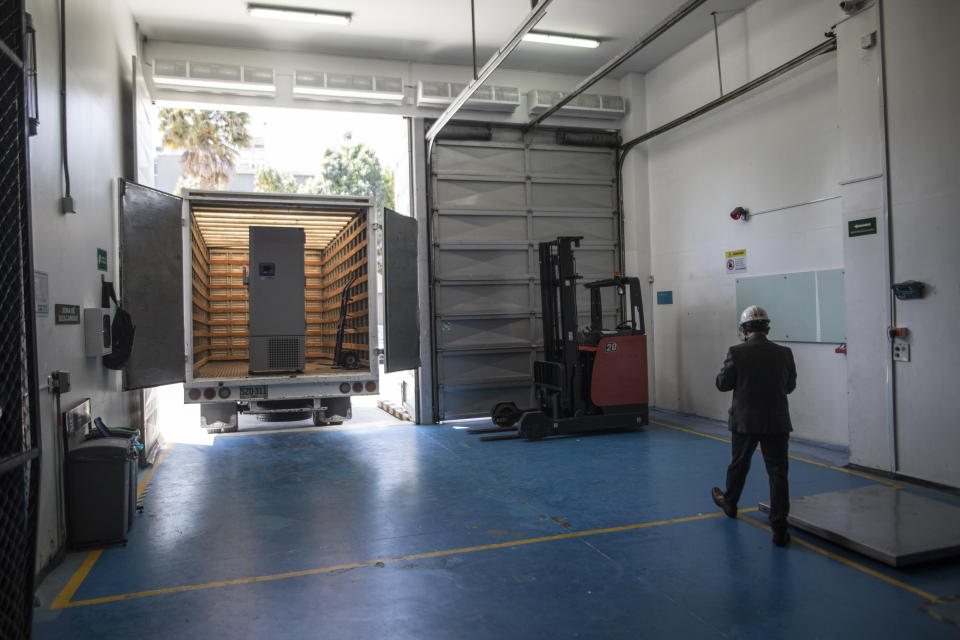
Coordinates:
807	306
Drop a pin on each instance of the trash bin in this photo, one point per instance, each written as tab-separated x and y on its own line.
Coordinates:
103	431
131	434
101	481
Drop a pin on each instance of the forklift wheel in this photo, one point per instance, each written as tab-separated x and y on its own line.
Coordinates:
506	414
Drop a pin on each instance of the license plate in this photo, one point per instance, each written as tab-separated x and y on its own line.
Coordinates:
257	392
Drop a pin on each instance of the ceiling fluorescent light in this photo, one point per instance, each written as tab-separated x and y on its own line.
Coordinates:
298	14
561	39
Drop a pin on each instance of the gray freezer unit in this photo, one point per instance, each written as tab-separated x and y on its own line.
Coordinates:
277	281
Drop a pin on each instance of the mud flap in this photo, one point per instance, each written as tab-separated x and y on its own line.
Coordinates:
333	411
219	416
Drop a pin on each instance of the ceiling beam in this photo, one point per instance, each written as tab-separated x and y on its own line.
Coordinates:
539	10
828	45
619	59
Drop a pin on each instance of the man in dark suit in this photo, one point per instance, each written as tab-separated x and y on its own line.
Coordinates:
761	374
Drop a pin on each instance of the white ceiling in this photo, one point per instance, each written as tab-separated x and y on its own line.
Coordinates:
438	31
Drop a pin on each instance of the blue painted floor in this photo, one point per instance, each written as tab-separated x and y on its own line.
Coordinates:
407	531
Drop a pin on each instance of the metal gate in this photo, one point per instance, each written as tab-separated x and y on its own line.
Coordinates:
491	202
19	444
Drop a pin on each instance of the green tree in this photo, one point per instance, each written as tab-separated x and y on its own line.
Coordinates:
354	170
186	183
272	180
312	185
209	140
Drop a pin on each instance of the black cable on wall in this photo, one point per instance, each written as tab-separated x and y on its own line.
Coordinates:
66	202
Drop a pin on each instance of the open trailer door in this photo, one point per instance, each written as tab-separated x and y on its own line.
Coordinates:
400	302
151	279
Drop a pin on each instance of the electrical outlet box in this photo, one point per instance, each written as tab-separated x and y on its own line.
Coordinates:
98	340
901	351
59	382
68	205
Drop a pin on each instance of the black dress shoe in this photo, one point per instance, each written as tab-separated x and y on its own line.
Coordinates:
781	538
717	495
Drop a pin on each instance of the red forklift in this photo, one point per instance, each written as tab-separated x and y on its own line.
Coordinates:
591	379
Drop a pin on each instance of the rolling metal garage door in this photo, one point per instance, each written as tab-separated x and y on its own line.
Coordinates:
491	203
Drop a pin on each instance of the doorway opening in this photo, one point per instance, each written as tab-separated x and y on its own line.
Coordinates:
307	151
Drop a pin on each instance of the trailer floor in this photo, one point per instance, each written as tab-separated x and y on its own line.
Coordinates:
408	531
238	369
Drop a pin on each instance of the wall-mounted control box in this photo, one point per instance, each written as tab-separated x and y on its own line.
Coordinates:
908	290
98	341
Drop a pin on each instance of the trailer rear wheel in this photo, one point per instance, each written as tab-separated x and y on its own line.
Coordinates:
283	416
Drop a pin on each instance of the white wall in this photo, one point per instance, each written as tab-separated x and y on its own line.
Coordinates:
772	148
100	43
863	185
922	54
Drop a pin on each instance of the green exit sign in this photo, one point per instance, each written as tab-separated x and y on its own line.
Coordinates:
863	227
101	259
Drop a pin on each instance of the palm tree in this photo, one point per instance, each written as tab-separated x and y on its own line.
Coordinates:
209	140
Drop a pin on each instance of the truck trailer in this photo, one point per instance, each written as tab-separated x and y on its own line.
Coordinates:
264	303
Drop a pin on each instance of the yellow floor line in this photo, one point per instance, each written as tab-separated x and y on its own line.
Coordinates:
685	430
63	598
814	462
383	561
66	594
851	563
145	480
851	472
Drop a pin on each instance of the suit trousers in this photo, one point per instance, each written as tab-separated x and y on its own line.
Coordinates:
774	449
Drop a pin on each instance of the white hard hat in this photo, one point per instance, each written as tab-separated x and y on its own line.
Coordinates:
753	313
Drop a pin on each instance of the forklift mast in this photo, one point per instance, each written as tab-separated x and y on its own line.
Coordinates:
558	291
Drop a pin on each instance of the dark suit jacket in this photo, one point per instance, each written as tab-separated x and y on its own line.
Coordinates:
761	374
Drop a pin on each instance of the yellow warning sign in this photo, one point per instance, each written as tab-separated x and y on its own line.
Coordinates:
735	261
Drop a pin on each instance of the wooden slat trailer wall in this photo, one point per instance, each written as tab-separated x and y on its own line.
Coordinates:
336	250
